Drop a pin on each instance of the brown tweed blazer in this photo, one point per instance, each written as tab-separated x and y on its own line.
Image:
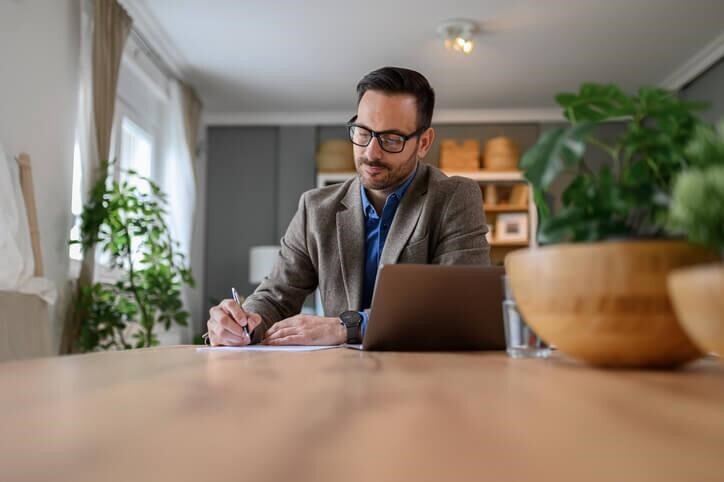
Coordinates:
440	220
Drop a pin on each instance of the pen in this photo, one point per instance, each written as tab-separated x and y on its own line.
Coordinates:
238	300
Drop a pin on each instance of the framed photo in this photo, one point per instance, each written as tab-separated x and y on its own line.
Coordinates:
512	227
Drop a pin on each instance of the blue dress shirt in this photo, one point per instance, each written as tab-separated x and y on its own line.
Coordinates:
376	229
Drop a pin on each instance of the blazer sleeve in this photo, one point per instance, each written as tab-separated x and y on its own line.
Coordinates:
293	277
463	228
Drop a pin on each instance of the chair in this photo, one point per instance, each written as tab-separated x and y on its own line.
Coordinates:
25	321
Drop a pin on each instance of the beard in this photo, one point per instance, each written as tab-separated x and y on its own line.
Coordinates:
384	176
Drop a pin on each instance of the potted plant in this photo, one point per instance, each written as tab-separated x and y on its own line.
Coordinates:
126	220
598	289
697	210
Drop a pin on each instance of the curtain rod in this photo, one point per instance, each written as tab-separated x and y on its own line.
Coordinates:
153	56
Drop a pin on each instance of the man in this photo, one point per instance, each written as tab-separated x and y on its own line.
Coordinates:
396	210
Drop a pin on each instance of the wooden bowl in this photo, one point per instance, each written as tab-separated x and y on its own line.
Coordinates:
606	303
698	298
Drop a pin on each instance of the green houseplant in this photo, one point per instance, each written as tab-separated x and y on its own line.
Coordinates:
697	210
697	204
598	290
627	197
126	220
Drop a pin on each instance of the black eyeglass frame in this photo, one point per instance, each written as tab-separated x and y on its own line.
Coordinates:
376	135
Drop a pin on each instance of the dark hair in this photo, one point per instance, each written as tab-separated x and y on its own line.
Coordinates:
396	80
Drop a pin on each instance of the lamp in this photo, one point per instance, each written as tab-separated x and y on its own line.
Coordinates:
458	34
261	262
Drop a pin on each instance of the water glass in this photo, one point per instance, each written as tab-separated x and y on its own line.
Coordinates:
520	339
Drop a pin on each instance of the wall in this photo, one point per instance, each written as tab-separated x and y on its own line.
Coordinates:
39	48
241	204
296	171
708	87
255	176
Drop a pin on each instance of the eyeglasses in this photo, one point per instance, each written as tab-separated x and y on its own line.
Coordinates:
389	141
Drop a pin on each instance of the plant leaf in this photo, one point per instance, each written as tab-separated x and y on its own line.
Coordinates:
557	150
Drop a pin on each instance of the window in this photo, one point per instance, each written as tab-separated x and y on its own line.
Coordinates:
140	108
76	205
136	152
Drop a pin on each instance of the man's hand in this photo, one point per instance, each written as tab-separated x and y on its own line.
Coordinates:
226	321
306	330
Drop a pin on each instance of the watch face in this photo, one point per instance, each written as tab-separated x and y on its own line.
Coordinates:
351	318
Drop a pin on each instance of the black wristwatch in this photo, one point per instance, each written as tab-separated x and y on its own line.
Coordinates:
352	320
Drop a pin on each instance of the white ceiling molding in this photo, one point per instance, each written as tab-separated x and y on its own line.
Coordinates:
145	23
274	118
697	64
475	116
442	116
136	60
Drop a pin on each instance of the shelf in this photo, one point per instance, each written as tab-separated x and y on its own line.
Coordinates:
505	208
509	244
490	176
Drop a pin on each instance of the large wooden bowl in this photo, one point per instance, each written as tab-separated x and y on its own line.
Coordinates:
698	298
606	303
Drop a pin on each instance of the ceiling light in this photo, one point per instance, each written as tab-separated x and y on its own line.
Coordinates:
458	34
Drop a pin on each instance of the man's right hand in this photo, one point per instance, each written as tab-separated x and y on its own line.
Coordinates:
226	321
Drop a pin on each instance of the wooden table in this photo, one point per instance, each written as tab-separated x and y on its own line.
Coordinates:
172	414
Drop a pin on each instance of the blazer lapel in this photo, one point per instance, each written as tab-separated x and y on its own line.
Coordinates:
350	244
406	217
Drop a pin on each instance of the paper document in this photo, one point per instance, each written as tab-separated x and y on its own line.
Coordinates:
267	348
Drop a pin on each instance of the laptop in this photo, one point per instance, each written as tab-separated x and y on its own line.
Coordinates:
418	307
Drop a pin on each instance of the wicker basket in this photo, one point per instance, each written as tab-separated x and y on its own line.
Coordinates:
457	156
335	155
500	154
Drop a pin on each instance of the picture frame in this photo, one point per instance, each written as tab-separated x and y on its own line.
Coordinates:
511	227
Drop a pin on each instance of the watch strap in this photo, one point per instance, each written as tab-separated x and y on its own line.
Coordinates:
352	321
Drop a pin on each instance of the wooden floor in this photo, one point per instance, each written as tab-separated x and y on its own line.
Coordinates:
172	414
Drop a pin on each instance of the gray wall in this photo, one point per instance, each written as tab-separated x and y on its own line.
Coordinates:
708	87
326	133
296	171
255	176
241	205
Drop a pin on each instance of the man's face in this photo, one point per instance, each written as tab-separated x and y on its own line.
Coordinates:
380	170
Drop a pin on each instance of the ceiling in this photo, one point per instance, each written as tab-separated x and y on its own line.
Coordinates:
307	56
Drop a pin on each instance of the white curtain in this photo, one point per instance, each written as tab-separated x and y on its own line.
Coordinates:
16	262
178	181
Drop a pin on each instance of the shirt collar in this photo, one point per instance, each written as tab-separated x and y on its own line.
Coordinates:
399	192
